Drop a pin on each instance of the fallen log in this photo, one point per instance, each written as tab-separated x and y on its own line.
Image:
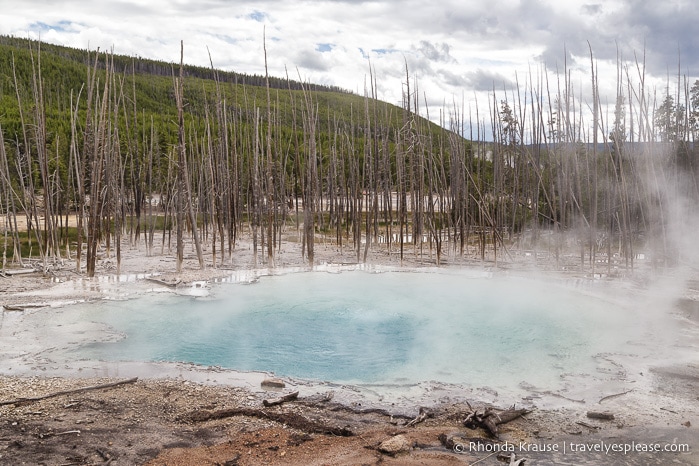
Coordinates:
380	411
281	399
604	416
290	419
68	392
22	307
490	419
326	398
508	415
169	284
492	427
12	272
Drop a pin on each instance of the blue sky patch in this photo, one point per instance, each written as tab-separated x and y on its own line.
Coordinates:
258	16
324	47
60	26
383	51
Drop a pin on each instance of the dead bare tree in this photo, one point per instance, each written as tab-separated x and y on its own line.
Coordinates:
184	199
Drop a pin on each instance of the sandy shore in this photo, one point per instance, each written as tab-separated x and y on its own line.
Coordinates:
662	406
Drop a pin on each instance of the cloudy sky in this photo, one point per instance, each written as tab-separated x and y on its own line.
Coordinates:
456	49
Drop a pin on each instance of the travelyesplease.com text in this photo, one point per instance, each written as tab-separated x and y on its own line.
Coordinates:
572	447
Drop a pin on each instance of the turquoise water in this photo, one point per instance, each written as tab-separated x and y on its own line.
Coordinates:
395	327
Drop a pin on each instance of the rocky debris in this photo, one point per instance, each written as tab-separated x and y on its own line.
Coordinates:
395	445
273	382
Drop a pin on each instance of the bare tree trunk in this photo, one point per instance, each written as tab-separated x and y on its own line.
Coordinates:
97	160
184	188
272	202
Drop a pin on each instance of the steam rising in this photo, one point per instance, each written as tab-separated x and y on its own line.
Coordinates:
403	328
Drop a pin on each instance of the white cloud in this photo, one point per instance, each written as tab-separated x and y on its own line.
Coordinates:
454	48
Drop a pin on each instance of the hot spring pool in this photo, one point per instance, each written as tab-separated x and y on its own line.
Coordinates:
381	328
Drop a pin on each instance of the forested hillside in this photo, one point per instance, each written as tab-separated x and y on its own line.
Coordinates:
98	148
100	135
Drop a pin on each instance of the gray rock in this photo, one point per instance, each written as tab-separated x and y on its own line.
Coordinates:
395	445
273	383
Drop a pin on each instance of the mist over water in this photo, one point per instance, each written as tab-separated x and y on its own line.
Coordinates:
385	328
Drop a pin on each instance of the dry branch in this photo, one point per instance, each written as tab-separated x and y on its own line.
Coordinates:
22	307
327	397
423	414
609	397
68	392
56	434
558	395
585	424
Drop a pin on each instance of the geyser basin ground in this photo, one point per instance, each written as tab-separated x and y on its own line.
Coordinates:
516	336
